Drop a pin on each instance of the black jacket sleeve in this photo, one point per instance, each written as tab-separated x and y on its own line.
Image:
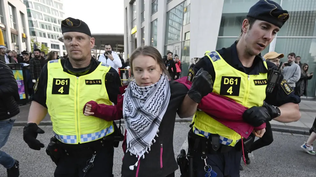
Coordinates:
40	88
8	85
112	84
282	93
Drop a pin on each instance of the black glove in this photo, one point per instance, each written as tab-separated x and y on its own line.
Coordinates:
201	86
272	110
256	116
30	132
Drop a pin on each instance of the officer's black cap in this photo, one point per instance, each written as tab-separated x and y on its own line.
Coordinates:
74	25
269	11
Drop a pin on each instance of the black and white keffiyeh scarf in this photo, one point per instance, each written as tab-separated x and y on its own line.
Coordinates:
143	110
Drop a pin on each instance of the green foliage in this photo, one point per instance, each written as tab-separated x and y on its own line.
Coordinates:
42	47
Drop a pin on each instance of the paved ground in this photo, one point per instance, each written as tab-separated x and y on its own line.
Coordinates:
307	108
283	158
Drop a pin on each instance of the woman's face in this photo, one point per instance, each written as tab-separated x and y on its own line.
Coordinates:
146	70
305	67
176	59
55	55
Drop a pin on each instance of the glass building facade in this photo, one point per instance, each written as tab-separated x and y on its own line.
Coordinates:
172	26
44	18
298	34
153	37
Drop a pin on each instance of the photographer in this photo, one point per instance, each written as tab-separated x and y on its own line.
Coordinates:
110	58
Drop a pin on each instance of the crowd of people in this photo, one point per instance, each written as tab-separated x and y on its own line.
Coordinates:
173	65
31	64
232	95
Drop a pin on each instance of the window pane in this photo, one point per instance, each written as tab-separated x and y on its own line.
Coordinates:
234	12
174	24
302	21
154	6
153	37
143	36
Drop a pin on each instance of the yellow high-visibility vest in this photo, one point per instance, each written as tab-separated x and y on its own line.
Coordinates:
248	90
66	96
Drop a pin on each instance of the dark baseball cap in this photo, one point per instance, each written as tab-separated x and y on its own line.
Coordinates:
24	52
74	25
269	11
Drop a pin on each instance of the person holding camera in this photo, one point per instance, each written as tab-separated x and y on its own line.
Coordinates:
110	58
81	146
291	71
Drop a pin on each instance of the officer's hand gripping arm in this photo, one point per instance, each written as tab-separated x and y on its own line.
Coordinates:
256	116
201	86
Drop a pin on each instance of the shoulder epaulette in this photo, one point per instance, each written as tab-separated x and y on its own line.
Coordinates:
214	56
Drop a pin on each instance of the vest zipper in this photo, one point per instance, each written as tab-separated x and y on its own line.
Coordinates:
247	92
77	108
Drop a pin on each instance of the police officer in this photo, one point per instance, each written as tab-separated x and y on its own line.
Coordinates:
240	73
81	146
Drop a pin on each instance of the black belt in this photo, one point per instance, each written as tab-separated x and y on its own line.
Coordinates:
86	148
211	145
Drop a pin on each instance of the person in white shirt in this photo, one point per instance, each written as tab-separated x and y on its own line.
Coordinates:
110	58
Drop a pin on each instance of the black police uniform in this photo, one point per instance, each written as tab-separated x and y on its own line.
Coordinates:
77	155
227	163
279	96
72	160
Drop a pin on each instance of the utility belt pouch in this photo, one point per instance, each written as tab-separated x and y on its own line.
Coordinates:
194	142
215	142
54	150
249	141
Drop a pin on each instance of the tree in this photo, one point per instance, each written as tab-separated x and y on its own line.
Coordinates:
42	47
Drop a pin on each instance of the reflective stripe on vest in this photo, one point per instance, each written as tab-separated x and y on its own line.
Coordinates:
222	140
66	96
71	139
237	85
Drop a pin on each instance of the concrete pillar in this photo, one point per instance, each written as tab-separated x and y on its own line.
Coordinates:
202	40
7	23
19	28
27	32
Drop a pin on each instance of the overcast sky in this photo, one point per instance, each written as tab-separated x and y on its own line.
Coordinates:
102	16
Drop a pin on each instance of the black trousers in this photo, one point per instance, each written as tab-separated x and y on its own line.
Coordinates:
266	139
224	164
72	165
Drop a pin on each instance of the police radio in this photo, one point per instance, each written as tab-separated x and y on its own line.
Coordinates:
274	77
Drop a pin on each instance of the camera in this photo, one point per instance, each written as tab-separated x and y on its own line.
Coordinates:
108	52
